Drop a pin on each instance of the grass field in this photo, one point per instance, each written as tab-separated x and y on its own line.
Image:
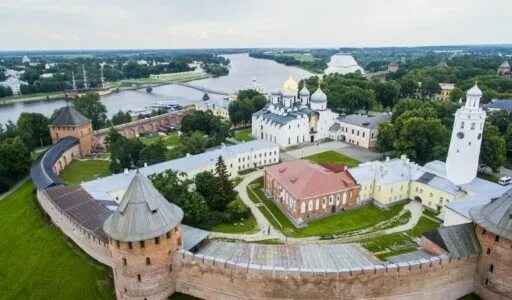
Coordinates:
333	157
39	262
83	170
170	140
246	226
356	219
243	135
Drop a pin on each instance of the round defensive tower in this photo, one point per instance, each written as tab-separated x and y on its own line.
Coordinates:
494	231
143	234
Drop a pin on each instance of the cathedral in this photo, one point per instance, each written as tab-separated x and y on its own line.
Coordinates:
292	117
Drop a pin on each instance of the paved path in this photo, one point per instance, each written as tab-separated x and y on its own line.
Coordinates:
416	210
14	188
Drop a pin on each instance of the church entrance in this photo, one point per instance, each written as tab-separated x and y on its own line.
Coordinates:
312	139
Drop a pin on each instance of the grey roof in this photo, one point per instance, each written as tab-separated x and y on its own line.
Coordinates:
394	171
335	127
192	236
143	213
442	64
459	240
318	96
41	171
438	182
411	256
505	64
69	116
365	120
496	216
316	256
101	188
499	104
304	91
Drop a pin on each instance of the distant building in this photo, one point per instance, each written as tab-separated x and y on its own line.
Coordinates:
218	107
143	62
48	66
306	191
444	94
46	75
498	104
13	83
25	59
442	64
393	67
255	85
360	130
504	69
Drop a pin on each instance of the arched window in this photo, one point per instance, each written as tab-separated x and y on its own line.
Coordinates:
331	199
148	261
310	206
303	207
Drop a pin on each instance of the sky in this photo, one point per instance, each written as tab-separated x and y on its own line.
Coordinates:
152	24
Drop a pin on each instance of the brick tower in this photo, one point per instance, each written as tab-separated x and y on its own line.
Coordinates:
494	231
143	234
70	122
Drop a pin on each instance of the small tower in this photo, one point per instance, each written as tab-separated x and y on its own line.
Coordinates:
290	89
504	69
494	232
318	100
144	232
304	95
70	122
464	151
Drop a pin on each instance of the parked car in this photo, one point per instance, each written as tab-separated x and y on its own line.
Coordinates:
505	180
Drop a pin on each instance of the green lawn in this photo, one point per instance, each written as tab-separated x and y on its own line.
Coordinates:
424	225
83	170
246	226
333	157
356	219
244	135
170	140
39	262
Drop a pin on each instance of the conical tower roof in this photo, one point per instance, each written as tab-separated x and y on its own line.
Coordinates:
496	216
505	64
143	213
69	116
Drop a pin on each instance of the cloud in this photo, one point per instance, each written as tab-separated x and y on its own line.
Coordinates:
94	24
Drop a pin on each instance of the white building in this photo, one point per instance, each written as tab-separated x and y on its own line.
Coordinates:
255	85
359	130
451	188
25	59
291	118
237	158
46	75
13	83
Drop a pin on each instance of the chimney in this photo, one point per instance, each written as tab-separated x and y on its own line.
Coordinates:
126	171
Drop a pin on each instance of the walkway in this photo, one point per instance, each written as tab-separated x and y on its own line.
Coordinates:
202	89
14	188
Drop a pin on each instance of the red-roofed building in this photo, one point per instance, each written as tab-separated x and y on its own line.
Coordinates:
308	191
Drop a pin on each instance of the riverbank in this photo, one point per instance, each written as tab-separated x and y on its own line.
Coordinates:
123	85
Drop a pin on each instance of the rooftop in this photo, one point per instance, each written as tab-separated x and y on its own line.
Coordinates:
387	172
499	104
69	116
496	216
459	240
314	256
365	120
143	213
304	179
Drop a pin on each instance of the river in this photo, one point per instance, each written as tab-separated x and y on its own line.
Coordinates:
243	69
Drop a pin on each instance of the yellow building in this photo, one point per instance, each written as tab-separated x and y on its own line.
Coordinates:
444	94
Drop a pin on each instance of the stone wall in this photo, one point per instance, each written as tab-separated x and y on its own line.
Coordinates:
213	278
494	272
91	244
82	132
66	158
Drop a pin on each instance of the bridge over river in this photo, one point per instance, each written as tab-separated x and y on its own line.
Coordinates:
202	89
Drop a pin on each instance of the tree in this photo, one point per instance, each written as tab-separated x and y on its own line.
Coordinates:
429	88
386	137
493	150
112	137
153	153
456	94
387	93
408	88
247	94
508	137
15	160
224	187
125	153
404	105
422	139
205	185
240	111
193	143
195	209
121	117
36	126
215	127
92	108
500	118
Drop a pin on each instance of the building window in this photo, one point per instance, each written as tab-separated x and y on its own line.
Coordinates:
491	268
130	246
484	231
117	244
139	278
157	240
148	261
124	262
472	126
168	235
461	125
488	251
497	238
142	244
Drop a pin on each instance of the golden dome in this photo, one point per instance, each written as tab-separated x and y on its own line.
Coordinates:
291	85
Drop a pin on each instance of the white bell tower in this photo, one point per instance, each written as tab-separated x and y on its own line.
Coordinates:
464	151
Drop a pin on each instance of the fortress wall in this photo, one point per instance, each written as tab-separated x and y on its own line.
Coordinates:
66	158
92	245
214	278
